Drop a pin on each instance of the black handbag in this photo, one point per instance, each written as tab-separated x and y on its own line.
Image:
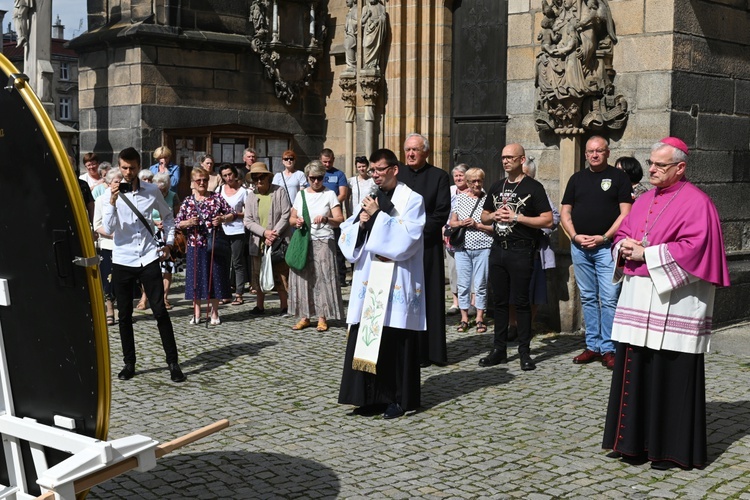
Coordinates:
278	250
456	236
218	244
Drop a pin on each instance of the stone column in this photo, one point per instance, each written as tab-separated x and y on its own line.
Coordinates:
37	63
569	303
348	84
369	82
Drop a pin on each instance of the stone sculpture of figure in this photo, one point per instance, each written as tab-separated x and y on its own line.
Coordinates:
22	18
258	19
571	82
350	36
597	32
574	68
374	26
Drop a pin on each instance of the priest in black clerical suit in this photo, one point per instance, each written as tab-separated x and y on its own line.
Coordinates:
433	184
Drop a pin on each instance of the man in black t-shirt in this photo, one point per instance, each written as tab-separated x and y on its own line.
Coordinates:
596	200
518	208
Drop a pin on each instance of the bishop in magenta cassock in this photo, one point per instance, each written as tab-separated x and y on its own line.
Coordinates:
670	256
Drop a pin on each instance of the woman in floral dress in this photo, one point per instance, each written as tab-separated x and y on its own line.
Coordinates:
207	275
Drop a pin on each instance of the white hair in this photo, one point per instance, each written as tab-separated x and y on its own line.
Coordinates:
425	142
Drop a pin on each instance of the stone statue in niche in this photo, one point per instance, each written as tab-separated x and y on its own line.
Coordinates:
351	25
374	27
574	73
22	19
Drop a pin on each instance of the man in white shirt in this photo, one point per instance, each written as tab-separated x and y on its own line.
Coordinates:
136	257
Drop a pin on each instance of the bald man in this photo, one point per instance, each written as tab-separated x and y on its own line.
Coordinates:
518	209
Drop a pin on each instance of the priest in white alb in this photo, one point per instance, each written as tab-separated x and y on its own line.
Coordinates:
670	255
386	307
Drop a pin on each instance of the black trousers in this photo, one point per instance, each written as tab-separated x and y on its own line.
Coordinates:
123	281
510	269
340	260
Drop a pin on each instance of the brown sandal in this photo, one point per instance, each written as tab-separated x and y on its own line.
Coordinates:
238	301
303	323
481	327
322	325
463	327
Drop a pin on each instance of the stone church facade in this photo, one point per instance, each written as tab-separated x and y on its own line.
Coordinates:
270	74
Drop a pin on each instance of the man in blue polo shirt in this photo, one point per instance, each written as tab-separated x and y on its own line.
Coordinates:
335	180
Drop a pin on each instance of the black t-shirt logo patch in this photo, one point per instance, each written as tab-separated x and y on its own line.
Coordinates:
606	184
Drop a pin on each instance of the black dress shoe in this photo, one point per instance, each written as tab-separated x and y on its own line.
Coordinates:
495	357
257	311
175	373
527	364
663	465
394	410
369	410
127	372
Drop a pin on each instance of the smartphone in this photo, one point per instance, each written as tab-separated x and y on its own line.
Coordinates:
126	187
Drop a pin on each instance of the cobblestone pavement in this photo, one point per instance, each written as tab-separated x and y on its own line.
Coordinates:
481	433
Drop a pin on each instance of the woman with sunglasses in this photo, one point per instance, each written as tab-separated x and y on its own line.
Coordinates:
291	179
201	217
266	217
314	291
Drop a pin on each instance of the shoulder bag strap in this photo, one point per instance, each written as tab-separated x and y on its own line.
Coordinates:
286	188
305	212
137	214
471	215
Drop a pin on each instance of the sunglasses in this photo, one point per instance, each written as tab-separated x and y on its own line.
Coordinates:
360	159
288	159
317	178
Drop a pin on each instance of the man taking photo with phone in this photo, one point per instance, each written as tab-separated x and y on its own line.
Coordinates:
136	257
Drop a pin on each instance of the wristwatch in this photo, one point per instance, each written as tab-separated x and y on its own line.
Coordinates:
605	240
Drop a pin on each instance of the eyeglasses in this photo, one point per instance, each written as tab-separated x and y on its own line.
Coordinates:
202	180
510	158
288	159
381	170
662	167
316	178
475	181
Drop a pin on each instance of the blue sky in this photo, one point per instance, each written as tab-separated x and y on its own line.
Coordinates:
71	12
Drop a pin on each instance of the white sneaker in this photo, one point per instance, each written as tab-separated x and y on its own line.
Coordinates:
216	321
194	321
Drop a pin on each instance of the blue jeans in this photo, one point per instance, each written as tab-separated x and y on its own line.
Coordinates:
593	270
471	266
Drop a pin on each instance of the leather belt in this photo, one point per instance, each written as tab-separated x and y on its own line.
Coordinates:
506	244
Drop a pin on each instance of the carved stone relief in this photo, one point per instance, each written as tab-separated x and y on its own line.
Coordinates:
574	73
288	36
